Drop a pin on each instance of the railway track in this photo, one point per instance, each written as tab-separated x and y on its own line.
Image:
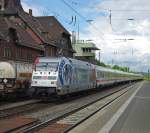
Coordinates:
72	118
11	110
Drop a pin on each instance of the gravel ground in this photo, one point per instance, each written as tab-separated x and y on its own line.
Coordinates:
17	104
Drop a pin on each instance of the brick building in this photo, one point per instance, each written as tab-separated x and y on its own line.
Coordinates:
23	37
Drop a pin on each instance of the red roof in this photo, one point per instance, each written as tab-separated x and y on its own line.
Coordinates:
32	31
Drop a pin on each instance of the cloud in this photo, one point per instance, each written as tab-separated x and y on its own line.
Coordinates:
37	10
111	38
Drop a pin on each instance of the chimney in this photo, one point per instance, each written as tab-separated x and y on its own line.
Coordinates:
10	6
30	12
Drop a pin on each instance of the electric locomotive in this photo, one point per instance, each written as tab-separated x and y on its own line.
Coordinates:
61	76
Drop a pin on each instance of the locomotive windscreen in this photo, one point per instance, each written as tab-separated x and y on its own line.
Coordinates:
44	66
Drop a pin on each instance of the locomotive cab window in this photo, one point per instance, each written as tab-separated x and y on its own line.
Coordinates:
51	66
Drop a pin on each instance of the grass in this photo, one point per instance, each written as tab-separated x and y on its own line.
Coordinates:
147	77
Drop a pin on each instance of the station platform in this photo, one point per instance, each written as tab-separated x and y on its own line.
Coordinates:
136	117
130	114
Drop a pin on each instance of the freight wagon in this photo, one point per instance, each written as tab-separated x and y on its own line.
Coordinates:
14	77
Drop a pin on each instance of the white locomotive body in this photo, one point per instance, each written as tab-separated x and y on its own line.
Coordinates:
14	76
62	76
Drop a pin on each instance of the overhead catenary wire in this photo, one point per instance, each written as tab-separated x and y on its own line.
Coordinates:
134	15
81	16
125	10
45	12
130	10
85	19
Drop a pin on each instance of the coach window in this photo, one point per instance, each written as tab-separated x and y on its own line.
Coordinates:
103	74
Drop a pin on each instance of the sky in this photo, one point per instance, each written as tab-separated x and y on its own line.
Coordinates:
124	39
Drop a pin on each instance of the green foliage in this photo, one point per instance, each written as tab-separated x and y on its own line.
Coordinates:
115	67
124	69
147	76
108	66
100	64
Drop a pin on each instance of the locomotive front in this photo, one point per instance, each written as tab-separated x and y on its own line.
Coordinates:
44	77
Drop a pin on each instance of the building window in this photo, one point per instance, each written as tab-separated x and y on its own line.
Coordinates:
19	53
29	56
84	50
89	50
7	52
45	33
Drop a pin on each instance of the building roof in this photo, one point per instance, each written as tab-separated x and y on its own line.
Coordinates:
86	44
37	28
90	46
46	29
53	29
23	37
51	25
84	48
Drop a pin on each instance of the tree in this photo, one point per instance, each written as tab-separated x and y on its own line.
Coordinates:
124	69
115	67
100	63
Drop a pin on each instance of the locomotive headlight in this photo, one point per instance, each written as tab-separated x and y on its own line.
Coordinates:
54	82
5	81
34	82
